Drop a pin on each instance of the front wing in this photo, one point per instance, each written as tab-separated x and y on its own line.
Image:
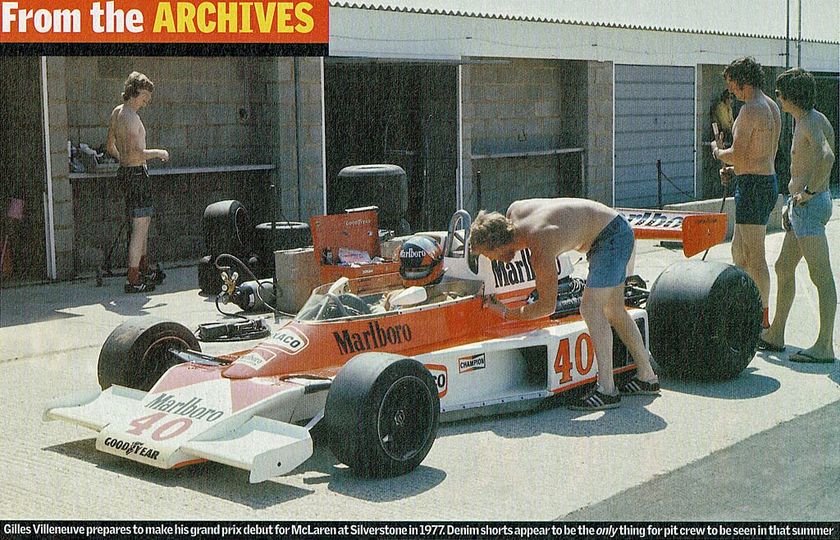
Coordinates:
244	424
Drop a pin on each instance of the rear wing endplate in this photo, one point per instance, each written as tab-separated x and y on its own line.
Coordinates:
698	231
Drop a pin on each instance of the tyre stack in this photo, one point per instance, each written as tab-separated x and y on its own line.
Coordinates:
284	235
227	229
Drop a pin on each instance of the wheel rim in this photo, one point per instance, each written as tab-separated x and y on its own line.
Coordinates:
158	359
404	423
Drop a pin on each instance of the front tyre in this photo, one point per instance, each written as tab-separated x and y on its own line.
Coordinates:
136	354
382	415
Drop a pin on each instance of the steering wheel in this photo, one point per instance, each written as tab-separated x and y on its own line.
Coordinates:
331	299
354	304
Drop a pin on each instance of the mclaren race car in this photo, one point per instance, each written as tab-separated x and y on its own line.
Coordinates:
377	377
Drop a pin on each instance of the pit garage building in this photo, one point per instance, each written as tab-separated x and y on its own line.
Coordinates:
481	103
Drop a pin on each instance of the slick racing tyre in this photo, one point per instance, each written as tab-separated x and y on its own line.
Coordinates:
286	235
382	415
209	278
136	354
705	318
227	229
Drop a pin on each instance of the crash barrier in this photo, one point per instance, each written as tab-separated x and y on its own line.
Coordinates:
381	185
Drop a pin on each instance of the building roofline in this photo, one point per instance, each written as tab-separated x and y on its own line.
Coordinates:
552	20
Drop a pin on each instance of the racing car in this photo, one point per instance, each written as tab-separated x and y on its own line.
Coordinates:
377	380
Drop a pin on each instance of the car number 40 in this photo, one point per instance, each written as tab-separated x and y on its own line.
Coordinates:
583	360
167	430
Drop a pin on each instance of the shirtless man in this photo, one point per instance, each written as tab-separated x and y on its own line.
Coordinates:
550	227
127	143
752	156
808	209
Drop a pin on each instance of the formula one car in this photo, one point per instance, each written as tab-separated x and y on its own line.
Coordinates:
377	380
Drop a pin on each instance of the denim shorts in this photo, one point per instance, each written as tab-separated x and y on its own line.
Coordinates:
809	219
755	198
137	187
609	255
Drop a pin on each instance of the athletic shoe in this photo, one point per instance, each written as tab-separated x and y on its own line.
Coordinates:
141	287
636	387
155	276
595	401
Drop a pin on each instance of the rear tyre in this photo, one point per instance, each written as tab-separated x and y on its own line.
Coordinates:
136	354
382	415
705	319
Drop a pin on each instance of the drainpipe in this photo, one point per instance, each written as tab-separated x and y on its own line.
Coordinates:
799	39
49	219
297	132
459	180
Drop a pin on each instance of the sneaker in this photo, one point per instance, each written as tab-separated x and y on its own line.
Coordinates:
636	387
595	401
155	276
141	287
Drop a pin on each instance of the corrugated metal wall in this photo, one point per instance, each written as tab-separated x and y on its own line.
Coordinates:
654	120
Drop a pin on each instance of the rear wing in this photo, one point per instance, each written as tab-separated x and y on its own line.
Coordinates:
698	231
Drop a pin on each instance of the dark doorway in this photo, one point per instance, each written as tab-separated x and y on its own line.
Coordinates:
398	113
23	169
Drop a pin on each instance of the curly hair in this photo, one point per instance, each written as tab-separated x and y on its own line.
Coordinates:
745	71
491	230
135	82
799	87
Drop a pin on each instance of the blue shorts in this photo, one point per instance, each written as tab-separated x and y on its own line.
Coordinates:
755	198
135	183
609	255
809	219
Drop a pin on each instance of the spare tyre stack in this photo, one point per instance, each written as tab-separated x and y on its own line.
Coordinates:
228	229
381	185
286	235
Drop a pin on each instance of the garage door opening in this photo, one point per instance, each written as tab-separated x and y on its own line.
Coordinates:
24	171
399	113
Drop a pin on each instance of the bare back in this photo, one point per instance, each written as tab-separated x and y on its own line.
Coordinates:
560	225
813	151
756	135
127	135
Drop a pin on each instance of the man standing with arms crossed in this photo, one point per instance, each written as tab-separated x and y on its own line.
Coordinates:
127	143
752	156
550	227
812	155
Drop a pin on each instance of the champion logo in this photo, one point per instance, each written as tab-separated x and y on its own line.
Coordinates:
471	363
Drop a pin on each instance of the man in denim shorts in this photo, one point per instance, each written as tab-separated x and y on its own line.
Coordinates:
550	227
807	211
127	143
755	140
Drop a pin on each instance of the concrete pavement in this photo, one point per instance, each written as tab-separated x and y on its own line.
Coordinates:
664	458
